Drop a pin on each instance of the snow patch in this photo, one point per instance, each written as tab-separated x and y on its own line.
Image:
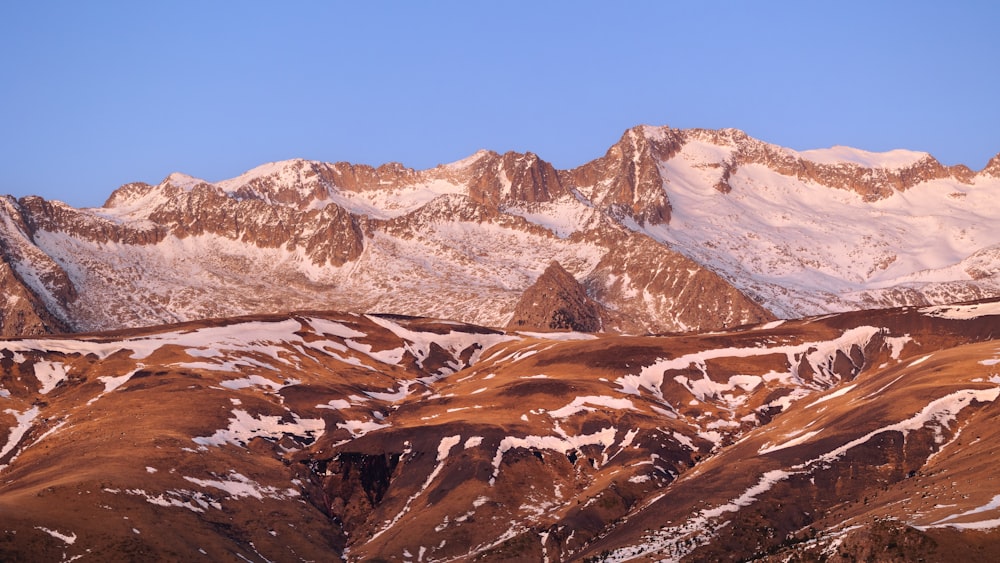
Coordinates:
327	327
561	443
894	159
943	411
335	404
243	427
237	485
838	393
359	428
69	539
580	404
650	378
793	442
392	396
767	480
24	420
49	374
963	312
256	381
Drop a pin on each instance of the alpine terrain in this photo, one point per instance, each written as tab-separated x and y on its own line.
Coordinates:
671	230
315	436
698	347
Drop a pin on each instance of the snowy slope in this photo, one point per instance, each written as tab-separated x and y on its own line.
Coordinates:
806	248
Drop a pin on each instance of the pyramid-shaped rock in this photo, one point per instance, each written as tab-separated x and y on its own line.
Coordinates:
556	301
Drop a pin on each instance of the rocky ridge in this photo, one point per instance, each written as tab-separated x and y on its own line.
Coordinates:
872	183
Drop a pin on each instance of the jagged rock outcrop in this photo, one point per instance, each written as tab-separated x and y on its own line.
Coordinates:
45	287
328	235
361	177
557	301
514	178
22	314
626	181
984	264
453	208
57	217
992	168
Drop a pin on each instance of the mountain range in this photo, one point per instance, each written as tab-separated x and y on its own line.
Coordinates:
671	230
698	347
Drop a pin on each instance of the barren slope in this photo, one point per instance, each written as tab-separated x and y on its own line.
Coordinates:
300	436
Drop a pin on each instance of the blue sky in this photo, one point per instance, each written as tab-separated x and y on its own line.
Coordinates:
97	94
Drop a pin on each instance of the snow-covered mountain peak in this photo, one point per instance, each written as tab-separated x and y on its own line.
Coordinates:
183	181
284	171
727	137
737	142
469	161
894	159
295	182
137	199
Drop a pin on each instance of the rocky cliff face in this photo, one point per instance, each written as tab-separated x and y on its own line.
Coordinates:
328	235
38	291
22	314
57	217
626	182
511	179
670	230
646	283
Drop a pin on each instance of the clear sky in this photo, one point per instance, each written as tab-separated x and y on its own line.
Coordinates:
97	94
